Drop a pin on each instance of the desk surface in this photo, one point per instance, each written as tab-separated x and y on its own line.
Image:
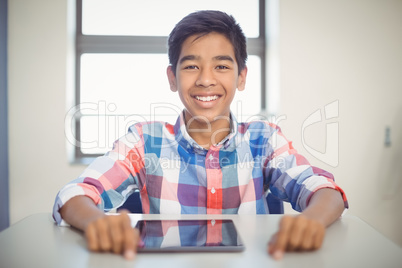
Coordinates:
37	242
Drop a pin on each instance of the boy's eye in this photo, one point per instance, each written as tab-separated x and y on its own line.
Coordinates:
190	67
221	67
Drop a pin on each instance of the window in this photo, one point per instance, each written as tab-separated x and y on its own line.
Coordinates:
121	53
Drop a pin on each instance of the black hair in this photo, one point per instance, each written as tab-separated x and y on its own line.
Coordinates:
202	23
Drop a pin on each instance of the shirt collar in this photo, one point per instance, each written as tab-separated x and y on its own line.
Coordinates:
188	143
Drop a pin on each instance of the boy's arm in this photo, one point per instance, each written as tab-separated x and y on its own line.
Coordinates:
102	232
306	231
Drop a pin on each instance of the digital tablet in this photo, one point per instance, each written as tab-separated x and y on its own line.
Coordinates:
188	236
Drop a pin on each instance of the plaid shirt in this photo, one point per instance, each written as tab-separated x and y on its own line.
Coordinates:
175	175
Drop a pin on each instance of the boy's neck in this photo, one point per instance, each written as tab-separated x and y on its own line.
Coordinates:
207	134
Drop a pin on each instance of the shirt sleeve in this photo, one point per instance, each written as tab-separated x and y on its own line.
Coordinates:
290	176
109	179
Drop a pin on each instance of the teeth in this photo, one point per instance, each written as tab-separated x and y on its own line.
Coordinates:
208	98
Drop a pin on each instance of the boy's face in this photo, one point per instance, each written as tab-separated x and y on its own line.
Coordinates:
206	77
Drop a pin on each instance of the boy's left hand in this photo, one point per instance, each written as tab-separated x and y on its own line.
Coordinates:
296	233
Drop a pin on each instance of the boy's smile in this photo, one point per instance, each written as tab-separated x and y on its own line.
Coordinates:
206	79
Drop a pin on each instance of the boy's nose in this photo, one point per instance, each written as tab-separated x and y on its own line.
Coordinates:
206	78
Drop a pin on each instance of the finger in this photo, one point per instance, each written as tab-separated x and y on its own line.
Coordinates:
283	237
309	236
103	229
124	211
297	233
130	237
92	237
117	236
319	237
271	243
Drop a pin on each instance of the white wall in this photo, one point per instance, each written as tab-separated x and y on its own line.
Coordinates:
37	44
348	51
345	50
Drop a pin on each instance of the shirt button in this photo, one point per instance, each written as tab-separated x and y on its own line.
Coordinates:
213	190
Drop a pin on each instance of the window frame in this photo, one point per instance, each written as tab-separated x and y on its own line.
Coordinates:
143	44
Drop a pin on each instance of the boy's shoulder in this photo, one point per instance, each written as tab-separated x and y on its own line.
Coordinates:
152	128
257	125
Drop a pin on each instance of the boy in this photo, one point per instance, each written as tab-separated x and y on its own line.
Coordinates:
207	162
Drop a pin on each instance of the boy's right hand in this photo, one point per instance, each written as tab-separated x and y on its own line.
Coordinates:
113	233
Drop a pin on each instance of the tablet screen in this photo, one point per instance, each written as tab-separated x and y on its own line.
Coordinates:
188	235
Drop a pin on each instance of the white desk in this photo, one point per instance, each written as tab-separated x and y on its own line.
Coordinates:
37	242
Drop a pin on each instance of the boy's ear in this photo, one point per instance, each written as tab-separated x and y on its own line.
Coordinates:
241	81
171	78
